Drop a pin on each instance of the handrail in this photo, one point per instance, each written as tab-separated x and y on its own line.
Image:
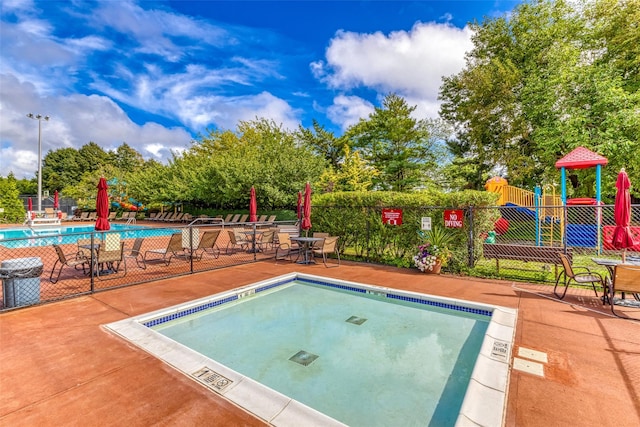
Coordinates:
208	219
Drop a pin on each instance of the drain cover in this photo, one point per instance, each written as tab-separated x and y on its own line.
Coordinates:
211	379
304	358
356	320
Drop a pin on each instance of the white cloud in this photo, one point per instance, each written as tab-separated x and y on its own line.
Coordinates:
410	64
75	120
347	110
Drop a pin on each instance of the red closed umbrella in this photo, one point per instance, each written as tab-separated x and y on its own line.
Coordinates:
102	207
622	236
56	201
30	204
306	211
253	206
299	205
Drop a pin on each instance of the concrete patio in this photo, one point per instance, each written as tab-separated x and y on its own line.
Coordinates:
60	367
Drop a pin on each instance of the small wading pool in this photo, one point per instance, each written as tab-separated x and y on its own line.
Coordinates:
307	350
25	237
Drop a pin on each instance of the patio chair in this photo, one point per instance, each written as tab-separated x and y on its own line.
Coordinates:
74	260
243	218
112	216
268	240
285	247
318	245
84	216
110	257
263	218
583	277
236	240
174	249
207	245
329	245
235	218
272	218
92	216
228	218
625	279
177	217
136	253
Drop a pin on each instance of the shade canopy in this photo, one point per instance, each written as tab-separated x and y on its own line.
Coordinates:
622	236
253	206
102	207
56	201
306	211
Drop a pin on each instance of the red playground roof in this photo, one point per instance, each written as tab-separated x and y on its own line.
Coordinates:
581	158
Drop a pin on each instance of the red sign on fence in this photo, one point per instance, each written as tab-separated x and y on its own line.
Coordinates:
453	218
392	216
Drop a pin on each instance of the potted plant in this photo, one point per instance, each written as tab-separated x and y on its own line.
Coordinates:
434	252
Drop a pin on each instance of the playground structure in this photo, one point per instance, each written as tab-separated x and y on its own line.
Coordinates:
549	211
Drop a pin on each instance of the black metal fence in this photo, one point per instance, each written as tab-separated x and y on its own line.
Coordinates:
55	263
508	242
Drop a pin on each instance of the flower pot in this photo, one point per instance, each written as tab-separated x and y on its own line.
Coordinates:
436	268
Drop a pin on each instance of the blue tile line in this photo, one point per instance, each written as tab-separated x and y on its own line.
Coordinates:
192	310
449	306
189	311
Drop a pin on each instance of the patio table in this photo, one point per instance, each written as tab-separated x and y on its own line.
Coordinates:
307	245
611	266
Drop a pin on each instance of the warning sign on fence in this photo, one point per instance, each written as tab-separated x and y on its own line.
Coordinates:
453	218
392	216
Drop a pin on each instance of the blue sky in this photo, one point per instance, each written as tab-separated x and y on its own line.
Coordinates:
156	74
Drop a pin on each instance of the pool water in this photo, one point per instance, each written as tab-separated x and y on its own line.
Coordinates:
300	349
27	237
378	363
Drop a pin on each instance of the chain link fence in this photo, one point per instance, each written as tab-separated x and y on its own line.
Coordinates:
507	242
51	264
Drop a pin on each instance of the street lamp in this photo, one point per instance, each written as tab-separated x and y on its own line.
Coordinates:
39	118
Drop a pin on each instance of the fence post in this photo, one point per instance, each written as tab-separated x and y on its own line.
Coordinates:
93	262
191	251
470	244
367	233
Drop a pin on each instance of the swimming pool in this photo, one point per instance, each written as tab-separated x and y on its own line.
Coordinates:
485	384
26	237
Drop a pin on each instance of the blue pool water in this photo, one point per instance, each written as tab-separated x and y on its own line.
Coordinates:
381	361
27	237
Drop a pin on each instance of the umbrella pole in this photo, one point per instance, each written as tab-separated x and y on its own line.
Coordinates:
624	255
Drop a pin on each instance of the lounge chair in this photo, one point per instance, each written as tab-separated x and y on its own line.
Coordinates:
74	260
243	218
84	216
177	217
263	218
228	218
49	213
272	218
207	245
136	253
235	240
112	216
235	218
169	217
159	216
329	246
152	215
92	216
625	279
583	277
174	249
187	217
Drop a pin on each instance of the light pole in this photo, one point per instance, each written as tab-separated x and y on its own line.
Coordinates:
39	118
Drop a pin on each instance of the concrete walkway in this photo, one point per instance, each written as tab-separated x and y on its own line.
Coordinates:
59	367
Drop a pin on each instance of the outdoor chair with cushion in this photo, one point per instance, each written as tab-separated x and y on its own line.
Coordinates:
626	278
582	277
318	245
174	249
74	260
329	246
136	253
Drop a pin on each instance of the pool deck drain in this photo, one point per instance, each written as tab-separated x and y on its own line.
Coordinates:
303	357
356	320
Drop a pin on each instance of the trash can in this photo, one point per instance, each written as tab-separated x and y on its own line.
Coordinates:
21	281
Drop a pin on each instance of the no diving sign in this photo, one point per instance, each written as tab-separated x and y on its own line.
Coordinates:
453	218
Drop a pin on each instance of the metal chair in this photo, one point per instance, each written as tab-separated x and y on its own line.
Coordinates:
136	253
625	279
329	245
585	277
68	260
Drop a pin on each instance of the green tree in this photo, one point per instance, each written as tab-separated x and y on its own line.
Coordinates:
397	145
61	168
352	174
92	157
10	203
127	159
323	143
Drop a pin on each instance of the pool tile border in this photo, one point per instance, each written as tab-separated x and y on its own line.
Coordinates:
484	402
